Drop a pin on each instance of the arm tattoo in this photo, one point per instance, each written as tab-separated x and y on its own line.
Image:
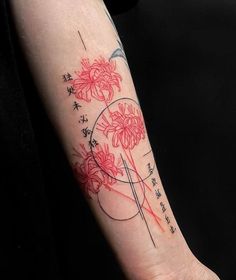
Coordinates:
112	140
82	40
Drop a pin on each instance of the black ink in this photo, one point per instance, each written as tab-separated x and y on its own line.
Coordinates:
172	229
111	217
154	182
70	90
76	106
147	153
158	194
163	208
82	40
167	219
94	126
150	169
83	119
136	199
93	143
67	77
118	53
141	203
86	131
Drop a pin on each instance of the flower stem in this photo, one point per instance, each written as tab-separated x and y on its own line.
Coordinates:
132	200
131	160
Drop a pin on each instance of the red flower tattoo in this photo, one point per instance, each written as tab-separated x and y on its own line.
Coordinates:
97	169
96	80
127	126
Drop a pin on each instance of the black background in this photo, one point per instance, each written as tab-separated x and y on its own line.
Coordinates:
182	55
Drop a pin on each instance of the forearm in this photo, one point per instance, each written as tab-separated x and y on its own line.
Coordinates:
85	83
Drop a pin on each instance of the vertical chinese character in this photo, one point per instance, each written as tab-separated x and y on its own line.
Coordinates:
86	131
167	219
93	143
158	194
154	182
150	169
172	229
70	90
163	208
83	118
67	77
76	106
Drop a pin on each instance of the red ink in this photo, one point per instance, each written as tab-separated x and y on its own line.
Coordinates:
96	80
127	129
127	126
94	171
124	127
133	201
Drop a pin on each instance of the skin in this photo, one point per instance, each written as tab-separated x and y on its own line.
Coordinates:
57	37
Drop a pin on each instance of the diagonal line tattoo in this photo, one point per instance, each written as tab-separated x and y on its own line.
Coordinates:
136	198
82	40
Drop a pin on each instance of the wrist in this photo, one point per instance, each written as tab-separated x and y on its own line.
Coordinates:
163	264
193	270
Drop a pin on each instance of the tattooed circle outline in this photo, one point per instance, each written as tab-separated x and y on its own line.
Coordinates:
91	138
140	203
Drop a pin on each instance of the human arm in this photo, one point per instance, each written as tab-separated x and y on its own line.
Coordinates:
85	83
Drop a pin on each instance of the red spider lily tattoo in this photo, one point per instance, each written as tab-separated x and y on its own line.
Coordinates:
96	80
127	126
127	129
97	169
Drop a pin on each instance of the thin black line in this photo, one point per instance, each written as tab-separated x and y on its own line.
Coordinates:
82	40
147	153
141	210
149	232
92	134
115	219
130	182
132	188
136	200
